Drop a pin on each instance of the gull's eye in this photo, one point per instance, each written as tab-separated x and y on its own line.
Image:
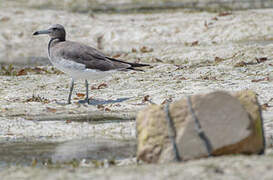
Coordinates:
54	29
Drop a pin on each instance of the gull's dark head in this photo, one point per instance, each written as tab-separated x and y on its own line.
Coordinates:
55	31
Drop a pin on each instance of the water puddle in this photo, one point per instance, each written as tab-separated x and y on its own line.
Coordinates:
93	149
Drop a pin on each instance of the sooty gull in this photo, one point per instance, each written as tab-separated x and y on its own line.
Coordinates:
80	61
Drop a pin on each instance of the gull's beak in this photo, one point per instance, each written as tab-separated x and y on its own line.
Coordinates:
42	32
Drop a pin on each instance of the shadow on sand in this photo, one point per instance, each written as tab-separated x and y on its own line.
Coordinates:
95	102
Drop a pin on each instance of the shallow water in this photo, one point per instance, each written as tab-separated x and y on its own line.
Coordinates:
28	153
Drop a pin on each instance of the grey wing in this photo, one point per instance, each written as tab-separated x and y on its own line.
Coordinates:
103	62
90	57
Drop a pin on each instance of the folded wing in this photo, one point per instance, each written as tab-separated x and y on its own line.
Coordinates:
90	57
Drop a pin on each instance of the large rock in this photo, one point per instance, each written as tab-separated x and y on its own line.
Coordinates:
231	124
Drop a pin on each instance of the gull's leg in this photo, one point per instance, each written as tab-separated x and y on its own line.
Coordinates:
86	95
71	90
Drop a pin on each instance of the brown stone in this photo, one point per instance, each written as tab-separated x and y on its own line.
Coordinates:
231	123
